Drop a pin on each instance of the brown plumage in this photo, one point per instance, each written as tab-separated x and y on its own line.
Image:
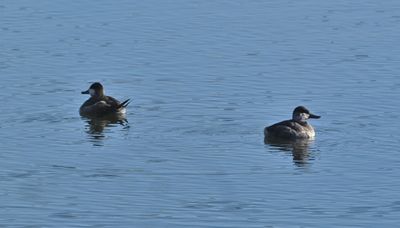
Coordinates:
99	105
296	128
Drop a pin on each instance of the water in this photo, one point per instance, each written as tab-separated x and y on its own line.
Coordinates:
205	77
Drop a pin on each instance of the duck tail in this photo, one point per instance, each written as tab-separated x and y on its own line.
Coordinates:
124	104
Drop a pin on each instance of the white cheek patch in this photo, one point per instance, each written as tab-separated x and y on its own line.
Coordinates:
92	92
304	116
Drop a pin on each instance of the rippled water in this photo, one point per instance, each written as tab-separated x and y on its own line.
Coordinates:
205	77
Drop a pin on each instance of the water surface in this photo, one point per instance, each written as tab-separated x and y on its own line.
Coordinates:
205	79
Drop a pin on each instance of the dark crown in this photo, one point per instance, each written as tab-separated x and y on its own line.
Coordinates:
301	109
96	86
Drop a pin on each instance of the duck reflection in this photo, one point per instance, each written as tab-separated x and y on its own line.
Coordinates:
299	149
95	127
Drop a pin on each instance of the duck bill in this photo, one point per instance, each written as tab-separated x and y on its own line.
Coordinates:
85	92
312	116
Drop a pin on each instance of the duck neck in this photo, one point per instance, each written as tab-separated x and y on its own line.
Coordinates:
98	95
301	119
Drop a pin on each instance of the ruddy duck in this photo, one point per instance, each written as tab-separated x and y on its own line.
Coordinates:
296	128
100	105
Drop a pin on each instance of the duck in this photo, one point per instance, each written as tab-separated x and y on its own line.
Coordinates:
293	129
100	105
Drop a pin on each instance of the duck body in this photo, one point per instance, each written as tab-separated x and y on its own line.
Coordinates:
296	128
100	105
290	129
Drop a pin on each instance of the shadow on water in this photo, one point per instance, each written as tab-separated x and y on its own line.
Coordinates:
95	126
299	149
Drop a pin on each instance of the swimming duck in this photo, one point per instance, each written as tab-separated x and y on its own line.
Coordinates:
296	128
100	105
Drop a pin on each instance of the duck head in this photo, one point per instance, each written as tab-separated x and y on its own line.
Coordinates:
95	90
301	114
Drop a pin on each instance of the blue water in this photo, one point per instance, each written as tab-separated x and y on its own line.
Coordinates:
205	78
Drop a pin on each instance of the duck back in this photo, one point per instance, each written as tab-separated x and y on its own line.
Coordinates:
289	129
102	106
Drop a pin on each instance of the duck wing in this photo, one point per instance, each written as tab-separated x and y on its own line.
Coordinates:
286	129
104	106
115	105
